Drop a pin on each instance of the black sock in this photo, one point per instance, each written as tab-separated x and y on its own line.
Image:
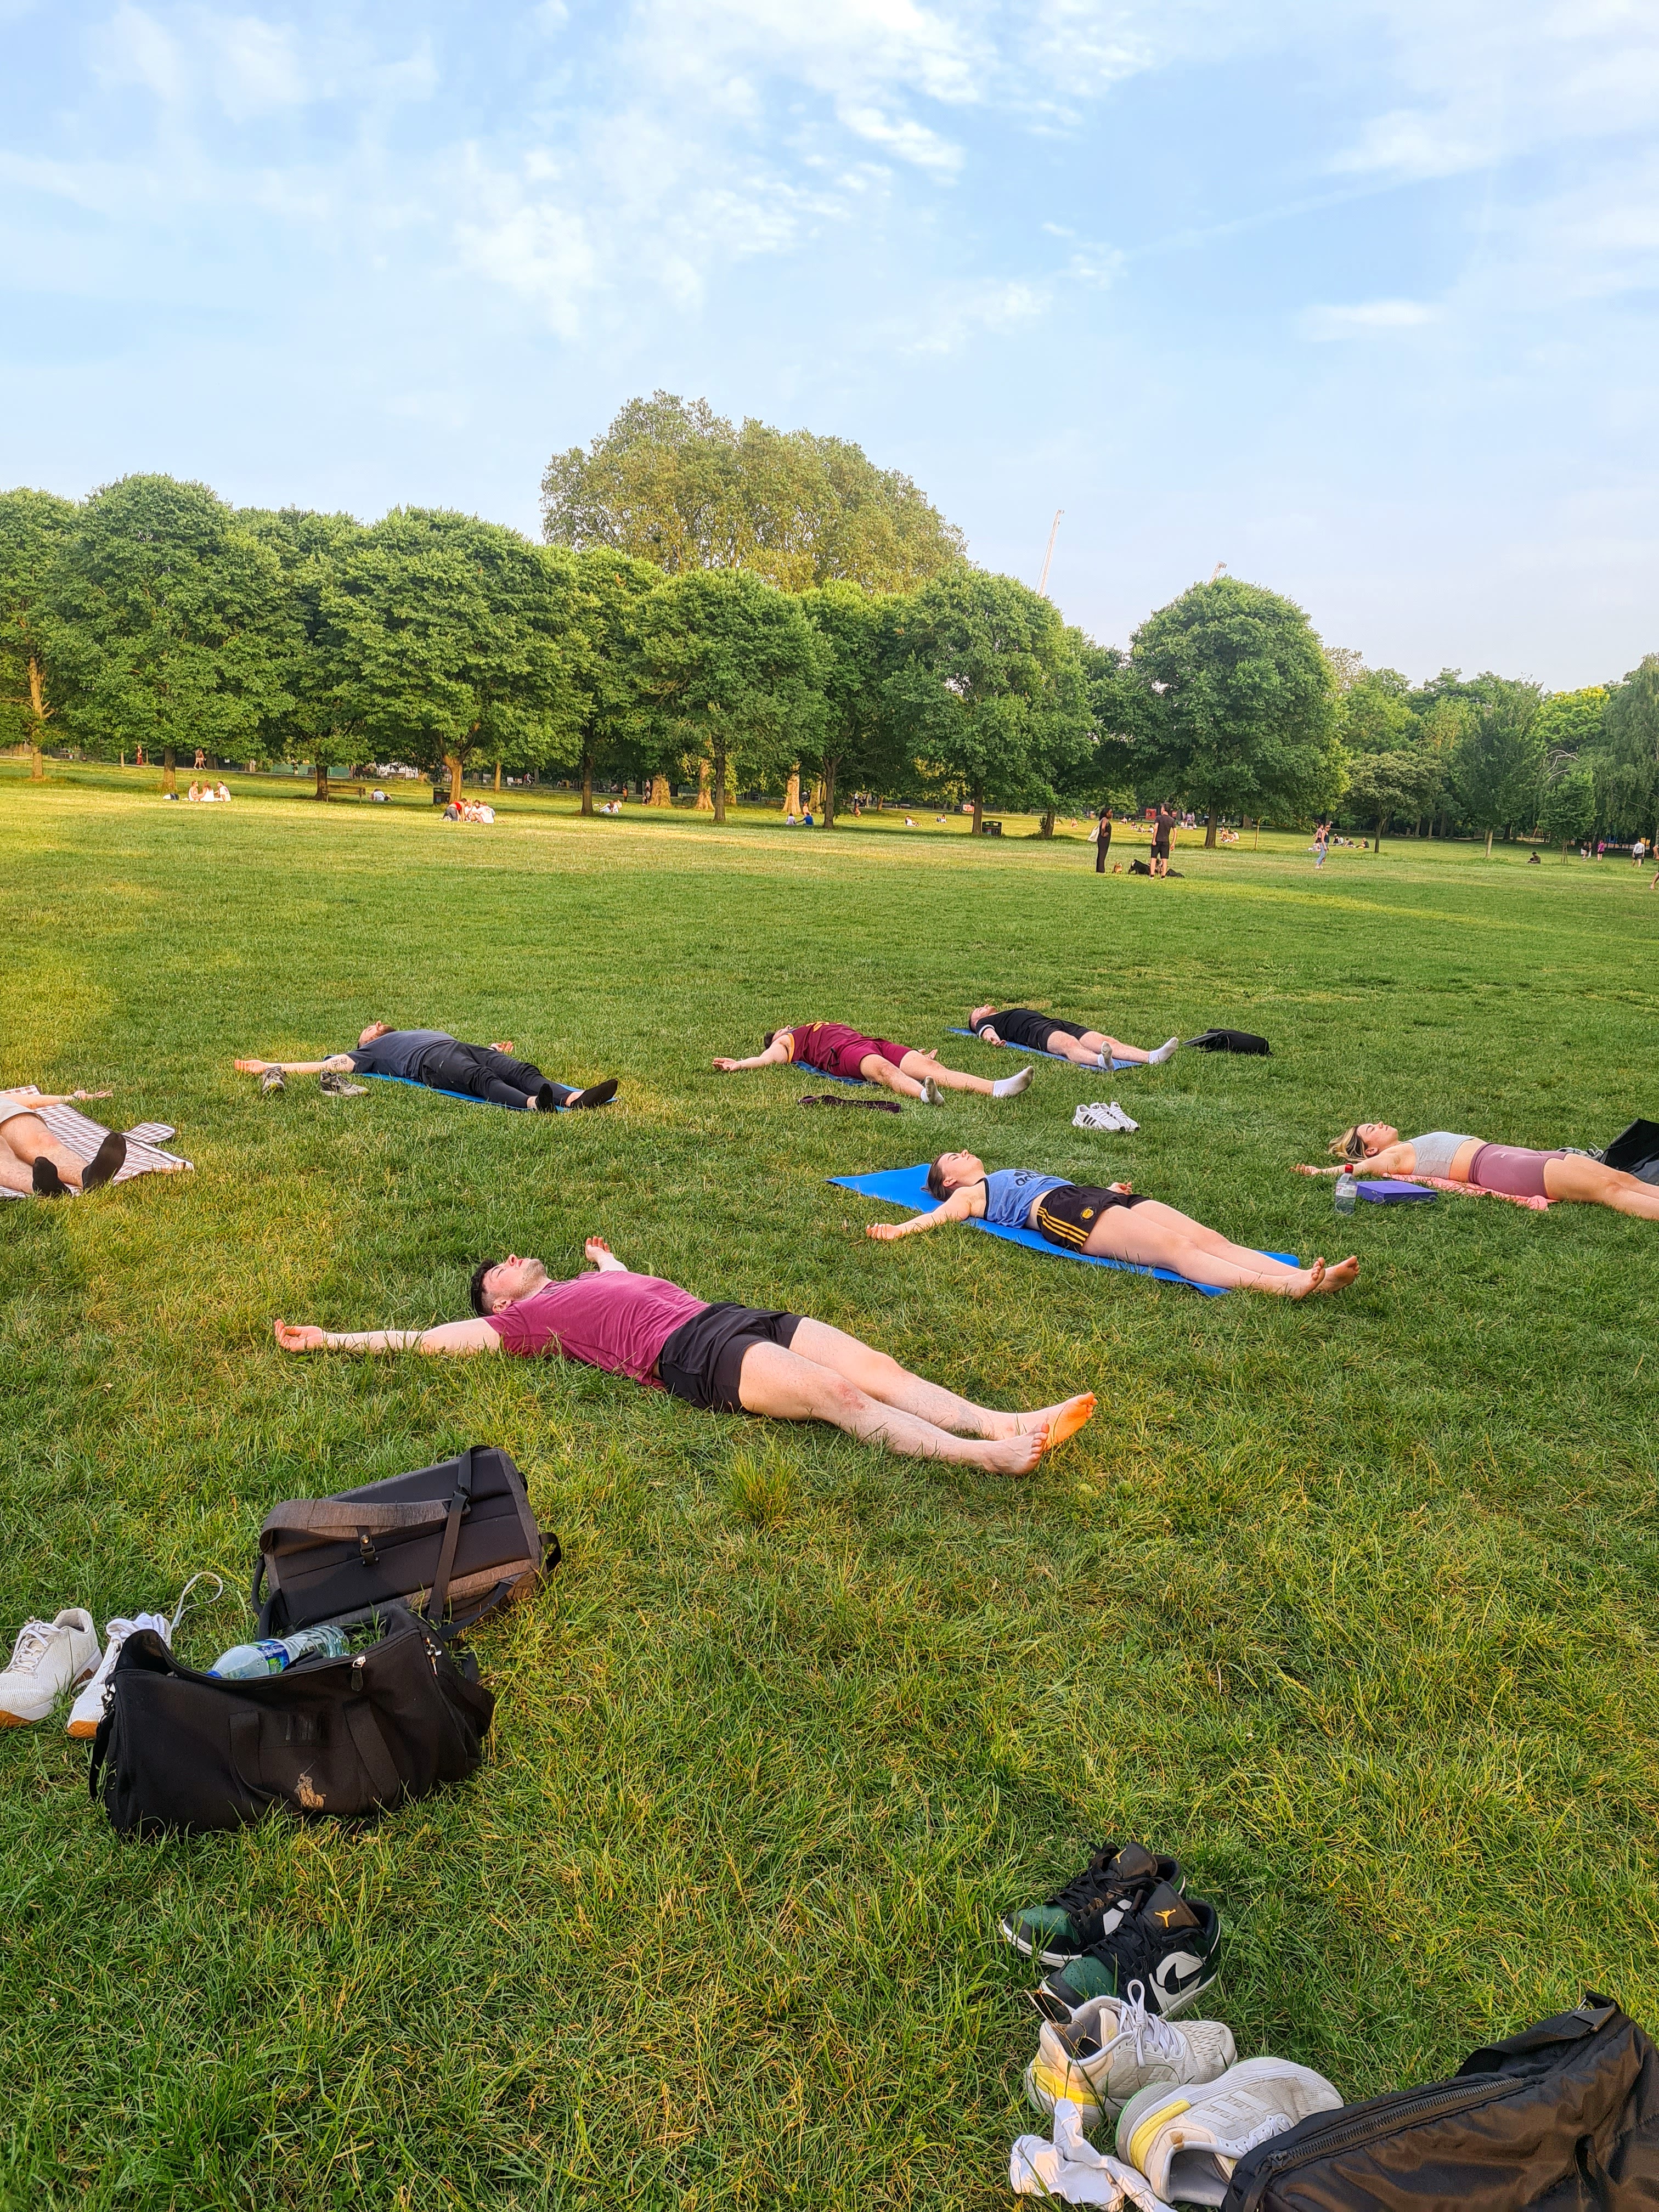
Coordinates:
105	1162
48	1183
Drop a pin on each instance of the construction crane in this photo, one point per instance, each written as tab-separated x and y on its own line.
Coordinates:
1054	533
1217	570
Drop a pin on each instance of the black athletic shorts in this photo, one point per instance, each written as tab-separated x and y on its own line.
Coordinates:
1030	1032
704	1359
1066	1216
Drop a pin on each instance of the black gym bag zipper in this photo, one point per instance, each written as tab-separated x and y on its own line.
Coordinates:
1451	2098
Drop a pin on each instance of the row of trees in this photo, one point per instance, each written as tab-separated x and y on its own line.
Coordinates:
730	606
1498	754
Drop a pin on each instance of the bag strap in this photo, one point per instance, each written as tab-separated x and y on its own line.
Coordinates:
343	1517
387	1782
460	1504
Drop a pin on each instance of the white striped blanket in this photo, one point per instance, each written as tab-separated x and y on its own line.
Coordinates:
80	1135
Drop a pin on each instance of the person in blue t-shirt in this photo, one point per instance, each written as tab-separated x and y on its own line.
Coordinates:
1117	1222
442	1062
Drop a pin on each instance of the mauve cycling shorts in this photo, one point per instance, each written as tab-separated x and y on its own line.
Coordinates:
1512	1170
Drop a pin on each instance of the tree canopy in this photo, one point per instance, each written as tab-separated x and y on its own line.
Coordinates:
673	483
1235	703
35	526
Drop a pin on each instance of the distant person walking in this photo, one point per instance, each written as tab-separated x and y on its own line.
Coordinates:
1163	829
1102	841
1321	845
1637	850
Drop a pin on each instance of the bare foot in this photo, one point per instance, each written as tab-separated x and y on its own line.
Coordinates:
1055	1422
1015	1455
1339	1276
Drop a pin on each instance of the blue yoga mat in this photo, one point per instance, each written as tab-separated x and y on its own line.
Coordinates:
465	1097
1080	1066
908	1186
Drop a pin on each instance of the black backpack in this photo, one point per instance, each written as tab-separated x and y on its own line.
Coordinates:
458	1538
1636	1150
1228	1040
1564	2117
327	1738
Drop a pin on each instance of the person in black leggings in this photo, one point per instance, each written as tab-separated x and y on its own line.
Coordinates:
443	1062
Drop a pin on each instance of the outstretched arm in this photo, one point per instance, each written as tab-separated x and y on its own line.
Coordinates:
959	1207
451	1336
776	1056
288	1067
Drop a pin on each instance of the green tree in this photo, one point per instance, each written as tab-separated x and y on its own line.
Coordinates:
1569	808
1627	770
1392	768
859	737
1236	704
732	668
673	483
980	657
1498	767
165	623
607	667
35	526
322	723
1065	741
448	634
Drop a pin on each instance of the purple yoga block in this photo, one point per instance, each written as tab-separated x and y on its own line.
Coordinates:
1384	1191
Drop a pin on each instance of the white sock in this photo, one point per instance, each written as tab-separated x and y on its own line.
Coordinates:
1011	1085
1165	1052
931	1093
1104	1057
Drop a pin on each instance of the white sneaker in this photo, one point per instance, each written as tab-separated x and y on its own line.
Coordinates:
1094	1117
1187	2141
1122	1119
1011	1085
1112	2048
49	1657
88	1708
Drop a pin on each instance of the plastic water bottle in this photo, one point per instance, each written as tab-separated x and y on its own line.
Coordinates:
1347	1192
245	1663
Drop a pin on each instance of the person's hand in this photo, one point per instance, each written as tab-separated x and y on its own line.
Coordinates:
594	1246
502	1044
1125	1187
728	1067
297	1336
930	1051
252	1066
883	1231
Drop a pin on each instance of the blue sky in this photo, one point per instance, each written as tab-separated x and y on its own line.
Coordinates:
1356	296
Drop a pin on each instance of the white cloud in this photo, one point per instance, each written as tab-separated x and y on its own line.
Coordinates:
133	48
1368	316
958	313
254	65
910	141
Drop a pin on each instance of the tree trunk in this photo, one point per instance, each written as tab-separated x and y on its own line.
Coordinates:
1379	833
826	819
498	775
40	715
1210	830
587	783
1045	826
791	796
718	781
979	811
452	762
169	769
705	804
321	767
1489	844
1564	842
1256	847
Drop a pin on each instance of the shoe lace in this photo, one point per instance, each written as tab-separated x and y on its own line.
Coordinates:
34	1642
1093	1882
1143	2029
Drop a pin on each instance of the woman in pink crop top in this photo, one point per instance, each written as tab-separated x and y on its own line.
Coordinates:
1513	1169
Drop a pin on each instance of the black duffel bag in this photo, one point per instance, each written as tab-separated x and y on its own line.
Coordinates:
331	1738
1228	1040
1562	2118
454	1541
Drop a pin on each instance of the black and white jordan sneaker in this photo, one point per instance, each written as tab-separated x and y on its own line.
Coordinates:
1172	1943
1115	1882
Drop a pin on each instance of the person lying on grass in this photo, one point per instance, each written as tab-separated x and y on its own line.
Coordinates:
1113	1224
1511	1169
730	1358
834	1049
31	1158
442	1063
1034	1032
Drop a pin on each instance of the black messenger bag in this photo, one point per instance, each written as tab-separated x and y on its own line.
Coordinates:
458	1538
328	1738
1564	2117
1228	1040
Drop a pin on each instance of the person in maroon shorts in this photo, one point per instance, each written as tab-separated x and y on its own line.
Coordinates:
730	1359
831	1048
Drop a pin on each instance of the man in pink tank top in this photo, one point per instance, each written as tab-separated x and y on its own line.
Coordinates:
726	1357
832	1048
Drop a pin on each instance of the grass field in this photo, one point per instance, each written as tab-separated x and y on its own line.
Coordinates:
1348	1604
